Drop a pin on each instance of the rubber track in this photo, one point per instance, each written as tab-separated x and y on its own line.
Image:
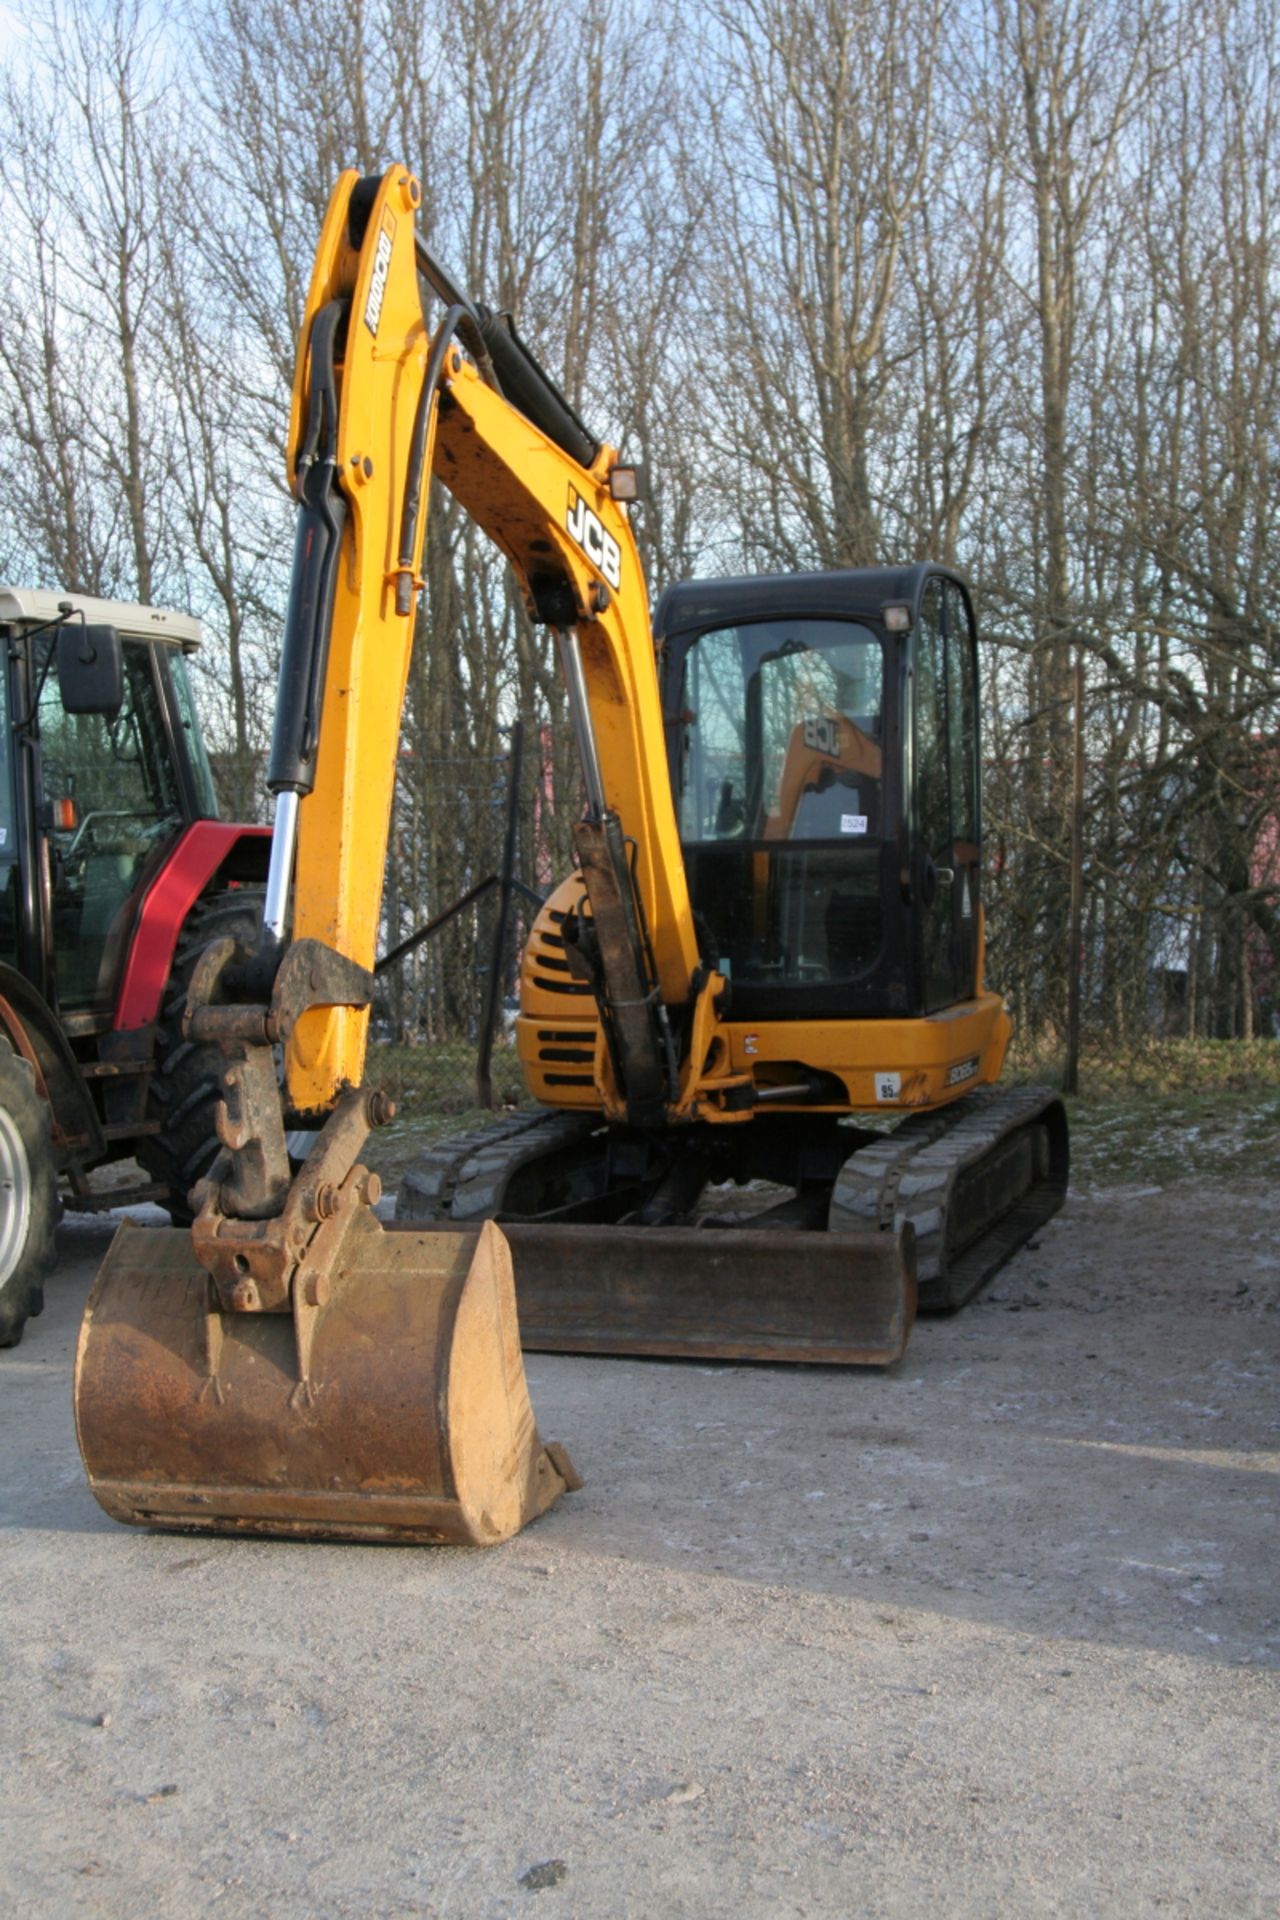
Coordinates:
465	1177
911	1175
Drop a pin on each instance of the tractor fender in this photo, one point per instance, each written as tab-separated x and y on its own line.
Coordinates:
31	1026
206	851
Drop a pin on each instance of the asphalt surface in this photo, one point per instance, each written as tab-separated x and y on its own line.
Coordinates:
994	1634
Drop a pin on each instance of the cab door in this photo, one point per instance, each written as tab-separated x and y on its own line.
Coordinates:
946	872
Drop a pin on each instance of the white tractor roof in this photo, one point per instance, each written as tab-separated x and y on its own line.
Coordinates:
33	605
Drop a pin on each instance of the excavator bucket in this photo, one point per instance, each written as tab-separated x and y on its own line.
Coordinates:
742	1293
410	1420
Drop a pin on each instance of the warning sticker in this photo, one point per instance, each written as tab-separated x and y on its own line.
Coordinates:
853	823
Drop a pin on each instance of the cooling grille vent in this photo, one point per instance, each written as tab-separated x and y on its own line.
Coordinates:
544	957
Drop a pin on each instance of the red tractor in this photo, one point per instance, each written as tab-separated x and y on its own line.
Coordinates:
115	872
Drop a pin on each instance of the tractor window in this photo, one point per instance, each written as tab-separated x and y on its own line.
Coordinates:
10	918
946	792
715	745
781	797
933	794
113	800
198	759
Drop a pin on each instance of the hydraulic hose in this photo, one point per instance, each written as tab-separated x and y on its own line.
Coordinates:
322	515
411	513
446	288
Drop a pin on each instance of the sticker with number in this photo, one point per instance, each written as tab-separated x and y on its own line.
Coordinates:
822	733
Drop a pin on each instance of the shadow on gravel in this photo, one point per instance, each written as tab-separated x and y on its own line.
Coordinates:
1016	1484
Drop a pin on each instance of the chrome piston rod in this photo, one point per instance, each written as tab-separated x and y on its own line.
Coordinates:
284	840
580	715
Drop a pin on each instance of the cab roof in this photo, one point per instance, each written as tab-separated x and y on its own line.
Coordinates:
31	606
842	593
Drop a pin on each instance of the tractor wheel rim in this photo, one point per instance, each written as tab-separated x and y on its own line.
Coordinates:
15	1196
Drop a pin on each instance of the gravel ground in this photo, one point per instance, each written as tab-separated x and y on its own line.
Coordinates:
994	1634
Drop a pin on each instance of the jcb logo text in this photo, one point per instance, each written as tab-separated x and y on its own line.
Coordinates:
601	549
378	284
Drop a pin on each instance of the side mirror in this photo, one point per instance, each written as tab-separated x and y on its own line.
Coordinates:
90	669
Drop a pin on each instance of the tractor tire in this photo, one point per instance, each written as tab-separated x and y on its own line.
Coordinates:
184	1086
28	1196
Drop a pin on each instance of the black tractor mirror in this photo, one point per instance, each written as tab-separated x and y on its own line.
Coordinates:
90	669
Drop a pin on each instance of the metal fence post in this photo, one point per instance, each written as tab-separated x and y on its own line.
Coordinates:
506	878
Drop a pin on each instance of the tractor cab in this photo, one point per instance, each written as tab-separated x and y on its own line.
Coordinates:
114	873
823	736
103	769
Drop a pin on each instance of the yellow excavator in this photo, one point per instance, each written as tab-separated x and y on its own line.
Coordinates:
775	925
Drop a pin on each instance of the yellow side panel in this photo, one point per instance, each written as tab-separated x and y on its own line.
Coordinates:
885	1065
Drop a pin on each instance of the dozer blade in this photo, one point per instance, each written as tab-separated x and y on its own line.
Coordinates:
413	1422
741	1293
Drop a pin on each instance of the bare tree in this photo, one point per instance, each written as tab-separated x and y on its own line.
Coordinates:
1080	74
1207	506
825	147
89	121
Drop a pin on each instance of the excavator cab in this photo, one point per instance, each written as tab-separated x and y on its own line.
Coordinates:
823	740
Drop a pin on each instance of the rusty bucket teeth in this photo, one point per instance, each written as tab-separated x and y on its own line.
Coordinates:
413	1422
